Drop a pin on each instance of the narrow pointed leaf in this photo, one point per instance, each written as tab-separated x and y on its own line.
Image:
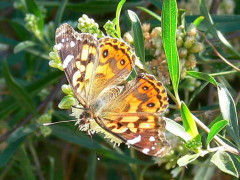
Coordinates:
229	112
23	45
18	92
183	161
215	129
202	76
138	36
169	26
188	121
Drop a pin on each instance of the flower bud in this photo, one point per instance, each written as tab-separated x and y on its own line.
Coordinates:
197	47
189	41
67	102
67	89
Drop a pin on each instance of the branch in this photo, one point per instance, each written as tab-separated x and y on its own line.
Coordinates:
218	54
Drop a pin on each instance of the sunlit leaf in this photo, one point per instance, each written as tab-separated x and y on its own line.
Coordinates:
215	129
225	163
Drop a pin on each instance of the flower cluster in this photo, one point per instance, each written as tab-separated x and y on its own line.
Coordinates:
187	43
110	28
86	24
32	25
55	61
45	118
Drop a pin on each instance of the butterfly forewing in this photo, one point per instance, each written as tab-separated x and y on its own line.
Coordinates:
79	54
116	61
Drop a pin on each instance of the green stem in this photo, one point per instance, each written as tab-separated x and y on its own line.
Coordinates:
134	166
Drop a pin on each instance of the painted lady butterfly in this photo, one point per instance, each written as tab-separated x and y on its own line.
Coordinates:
96	70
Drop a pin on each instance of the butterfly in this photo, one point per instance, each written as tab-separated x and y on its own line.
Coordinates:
97	70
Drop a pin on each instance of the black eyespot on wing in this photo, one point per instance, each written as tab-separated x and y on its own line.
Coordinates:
150	105
105	53
122	62
145	88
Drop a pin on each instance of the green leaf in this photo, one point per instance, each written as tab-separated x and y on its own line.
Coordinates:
169	26
23	45
60	11
74	137
51	169
177	129
118	11
198	21
151	13
9	151
18	92
188	121
25	164
225	163
229	112
183	161
138	36
91	170
202	76
22	132
215	129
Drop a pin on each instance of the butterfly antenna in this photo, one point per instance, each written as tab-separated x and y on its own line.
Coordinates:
47	124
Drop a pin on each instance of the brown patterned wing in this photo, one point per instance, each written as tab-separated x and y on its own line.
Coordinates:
146	134
134	115
116	61
79	54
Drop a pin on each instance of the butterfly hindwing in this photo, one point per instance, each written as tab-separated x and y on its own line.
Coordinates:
134	115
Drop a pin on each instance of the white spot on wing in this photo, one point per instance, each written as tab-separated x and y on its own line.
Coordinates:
67	60
152	138
72	44
134	140
153	148
63	40
145	150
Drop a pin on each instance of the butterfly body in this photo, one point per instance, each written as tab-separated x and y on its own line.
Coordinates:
97	71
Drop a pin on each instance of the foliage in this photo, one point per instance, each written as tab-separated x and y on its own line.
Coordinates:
204	91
